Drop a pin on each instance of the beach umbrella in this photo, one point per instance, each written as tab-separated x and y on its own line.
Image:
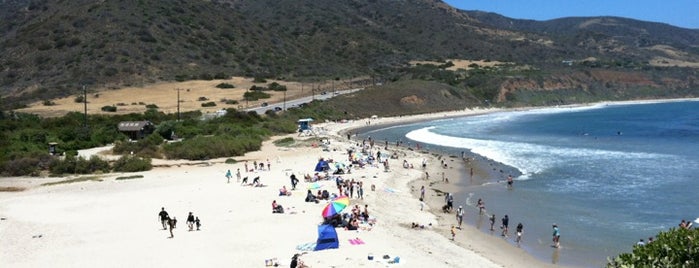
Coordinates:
335	206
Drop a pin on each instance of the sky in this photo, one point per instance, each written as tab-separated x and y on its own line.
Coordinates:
681	13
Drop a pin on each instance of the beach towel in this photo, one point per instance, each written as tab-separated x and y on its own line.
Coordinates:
356	241
390	190
310	246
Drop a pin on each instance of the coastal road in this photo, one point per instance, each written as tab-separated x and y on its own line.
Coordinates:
296	102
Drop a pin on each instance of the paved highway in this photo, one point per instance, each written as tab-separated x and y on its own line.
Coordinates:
296	102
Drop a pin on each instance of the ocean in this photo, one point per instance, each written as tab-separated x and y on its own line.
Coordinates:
607	174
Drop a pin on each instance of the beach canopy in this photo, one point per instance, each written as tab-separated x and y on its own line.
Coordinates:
327	237
322	166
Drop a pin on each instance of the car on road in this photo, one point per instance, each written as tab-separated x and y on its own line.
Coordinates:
277	108
264	104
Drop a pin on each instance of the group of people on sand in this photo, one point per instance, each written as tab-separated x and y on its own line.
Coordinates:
505	221
171	223
350	188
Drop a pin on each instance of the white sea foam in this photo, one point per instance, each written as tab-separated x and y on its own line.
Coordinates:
529	158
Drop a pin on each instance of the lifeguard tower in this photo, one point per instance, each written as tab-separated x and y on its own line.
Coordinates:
305	128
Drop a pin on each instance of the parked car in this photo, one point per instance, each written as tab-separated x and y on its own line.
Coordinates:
277	108
264	104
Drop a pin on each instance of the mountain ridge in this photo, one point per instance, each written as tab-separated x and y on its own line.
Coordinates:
51	49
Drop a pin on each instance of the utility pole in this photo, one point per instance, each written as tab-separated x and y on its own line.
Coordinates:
178	104
85	103
284	106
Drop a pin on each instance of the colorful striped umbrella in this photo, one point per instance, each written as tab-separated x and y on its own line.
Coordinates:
335	206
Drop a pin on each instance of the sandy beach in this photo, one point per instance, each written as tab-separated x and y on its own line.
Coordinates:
114	223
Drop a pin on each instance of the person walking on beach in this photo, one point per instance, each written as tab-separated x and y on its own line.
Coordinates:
237	175
228	175
481	206
172	223
510	181
190	221
460	216
492	222
163	218
197	222
422	193
246	167
520	227
505	223
294	181
556	236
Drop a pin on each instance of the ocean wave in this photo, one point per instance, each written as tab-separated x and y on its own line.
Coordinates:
528	158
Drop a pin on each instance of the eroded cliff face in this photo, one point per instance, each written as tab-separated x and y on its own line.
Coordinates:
596	79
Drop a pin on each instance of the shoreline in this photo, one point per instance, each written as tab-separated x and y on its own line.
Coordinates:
114	221
493	243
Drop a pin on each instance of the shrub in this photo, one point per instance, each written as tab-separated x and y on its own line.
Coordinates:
231	161
200	148
284	142
151	106
276	87
259	79
129	177
674	248
230	102
146	145
20	167
208	104
203	99
130	163
78	165
255	95
109	108
79	99
225	85
49	103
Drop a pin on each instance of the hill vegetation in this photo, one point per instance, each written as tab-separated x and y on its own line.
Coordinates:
52	48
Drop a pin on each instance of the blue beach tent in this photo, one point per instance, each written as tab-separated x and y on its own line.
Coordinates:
321	166
327	237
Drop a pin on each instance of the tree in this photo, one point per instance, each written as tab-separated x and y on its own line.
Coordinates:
674	248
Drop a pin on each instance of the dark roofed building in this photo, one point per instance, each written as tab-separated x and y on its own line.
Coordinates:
136	129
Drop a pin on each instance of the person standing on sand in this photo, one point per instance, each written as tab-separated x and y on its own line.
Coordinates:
505	223
460	215
520	227
163	218
453	232
294	181
228	175
190	221
197	222
422	193
172	223
556	236
492	222
237	175
510	181
481	206
246	167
